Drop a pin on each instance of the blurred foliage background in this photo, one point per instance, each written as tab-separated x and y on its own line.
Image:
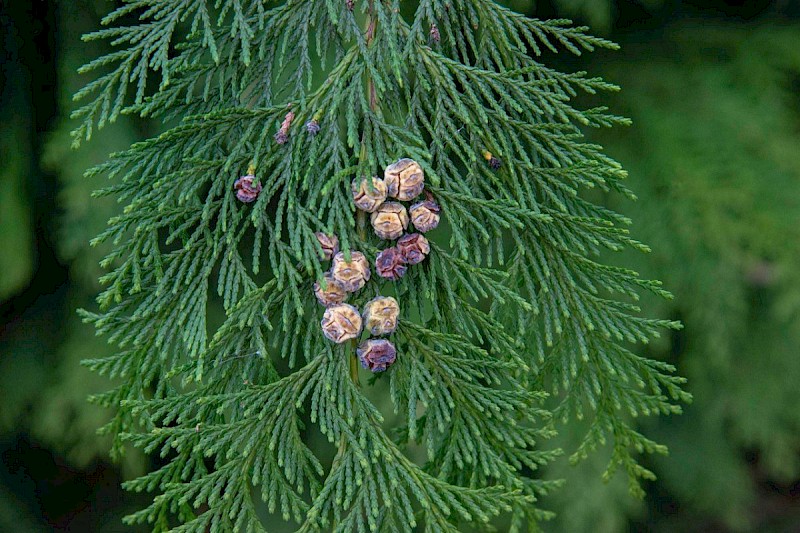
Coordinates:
713	89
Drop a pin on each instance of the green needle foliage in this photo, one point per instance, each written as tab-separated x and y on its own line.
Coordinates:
222	368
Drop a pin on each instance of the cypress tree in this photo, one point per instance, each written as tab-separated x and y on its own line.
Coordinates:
274	114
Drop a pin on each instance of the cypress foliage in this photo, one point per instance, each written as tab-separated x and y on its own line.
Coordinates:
221	363
721	198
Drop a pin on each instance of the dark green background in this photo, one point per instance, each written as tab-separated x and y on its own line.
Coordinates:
714	155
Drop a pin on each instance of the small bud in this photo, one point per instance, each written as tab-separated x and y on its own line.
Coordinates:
341	323
413	247
332	294
281	137
390	220
494	163
380	315
425	215
247	188
376	354
349	4
312	126
404	179
390	264
329	244
283	133
351	275
366	198
435	35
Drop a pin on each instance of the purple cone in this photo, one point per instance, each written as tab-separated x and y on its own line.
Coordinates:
376	354
390	264
247	189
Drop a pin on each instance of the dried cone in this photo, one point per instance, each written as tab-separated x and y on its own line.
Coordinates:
341	323
329	244
425	215
414	248
332	294
376	354
390	220
404	179
380	315
247	188
368	199
390	264
351	275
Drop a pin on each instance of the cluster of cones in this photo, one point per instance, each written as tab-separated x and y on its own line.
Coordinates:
403	181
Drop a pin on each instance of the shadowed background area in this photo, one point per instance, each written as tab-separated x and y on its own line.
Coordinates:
713	89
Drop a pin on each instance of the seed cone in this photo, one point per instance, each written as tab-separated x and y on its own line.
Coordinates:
390	220
414	248
341	323
329	244
390	264
425	215
381	314
247	188
366	198
376	354
351	275
404	179
332	294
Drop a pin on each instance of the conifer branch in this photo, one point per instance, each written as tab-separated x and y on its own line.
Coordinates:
513	302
